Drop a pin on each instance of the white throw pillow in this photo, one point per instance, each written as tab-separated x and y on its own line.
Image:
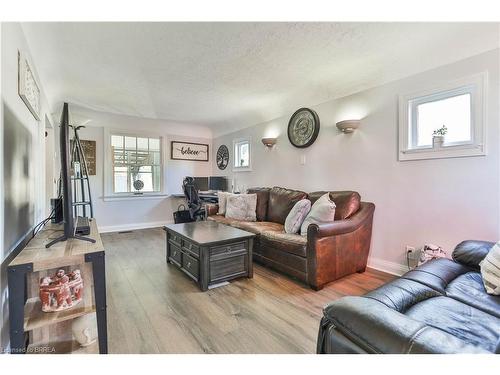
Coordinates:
322	212
222	202
297	215
241	207
490	270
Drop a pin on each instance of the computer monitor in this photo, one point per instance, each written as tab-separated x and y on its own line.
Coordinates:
218	183
201	183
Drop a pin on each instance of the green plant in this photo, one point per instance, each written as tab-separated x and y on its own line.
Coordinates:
441	131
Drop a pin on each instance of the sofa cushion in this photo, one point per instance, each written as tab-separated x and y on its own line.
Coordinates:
322	212
241	206
222	199
401	294
347	202
226	220
458	319
437	274
256	227
259	227
286	242
296	216
490	270
262	201
468	288
281	201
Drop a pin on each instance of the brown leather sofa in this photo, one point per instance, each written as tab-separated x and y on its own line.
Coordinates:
329	252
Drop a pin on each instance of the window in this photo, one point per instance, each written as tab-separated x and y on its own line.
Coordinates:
458	106
242	154
136	164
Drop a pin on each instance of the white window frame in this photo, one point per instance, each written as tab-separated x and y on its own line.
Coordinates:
109	194
242	169
476	86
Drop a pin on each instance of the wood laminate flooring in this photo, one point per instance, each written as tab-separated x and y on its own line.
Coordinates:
153	307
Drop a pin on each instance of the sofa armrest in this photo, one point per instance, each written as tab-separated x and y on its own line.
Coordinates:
343	226
471	253
376	328
212	209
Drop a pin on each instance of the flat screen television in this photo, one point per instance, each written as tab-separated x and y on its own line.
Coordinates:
68	217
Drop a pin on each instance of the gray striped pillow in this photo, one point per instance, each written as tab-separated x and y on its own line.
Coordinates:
490	270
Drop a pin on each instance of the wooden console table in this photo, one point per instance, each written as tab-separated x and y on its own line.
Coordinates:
33	262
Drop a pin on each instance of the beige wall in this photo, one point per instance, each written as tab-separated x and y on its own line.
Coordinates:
439	201
131	213
33	190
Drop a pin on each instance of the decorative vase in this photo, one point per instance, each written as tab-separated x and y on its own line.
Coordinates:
437	141
84	329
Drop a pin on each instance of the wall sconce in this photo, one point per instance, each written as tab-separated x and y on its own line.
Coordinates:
348	126
269	142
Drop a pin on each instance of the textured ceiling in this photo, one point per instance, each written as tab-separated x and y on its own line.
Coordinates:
233	75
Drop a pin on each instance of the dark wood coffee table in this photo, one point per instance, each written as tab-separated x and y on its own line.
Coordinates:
210	253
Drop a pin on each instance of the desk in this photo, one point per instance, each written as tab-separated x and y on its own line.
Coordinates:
206	197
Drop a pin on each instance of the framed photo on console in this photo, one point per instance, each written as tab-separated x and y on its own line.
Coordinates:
188	151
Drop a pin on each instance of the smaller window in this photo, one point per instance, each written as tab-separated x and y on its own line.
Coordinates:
242	154
457	106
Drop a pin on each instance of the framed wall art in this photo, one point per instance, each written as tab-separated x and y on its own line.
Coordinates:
27	87
188	151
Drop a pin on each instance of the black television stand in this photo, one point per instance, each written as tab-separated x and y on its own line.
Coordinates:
64	238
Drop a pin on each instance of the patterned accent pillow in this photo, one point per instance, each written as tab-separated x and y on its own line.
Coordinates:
490	270
241	207
322	212
222	202
297	215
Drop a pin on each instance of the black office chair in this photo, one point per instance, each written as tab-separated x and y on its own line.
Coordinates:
195	205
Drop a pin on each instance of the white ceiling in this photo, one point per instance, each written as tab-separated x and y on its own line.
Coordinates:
233	75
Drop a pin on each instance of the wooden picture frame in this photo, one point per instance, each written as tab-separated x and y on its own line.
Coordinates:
27	86
189	151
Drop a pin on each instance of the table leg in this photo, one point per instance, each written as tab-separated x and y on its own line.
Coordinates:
250	258
99	274
17	298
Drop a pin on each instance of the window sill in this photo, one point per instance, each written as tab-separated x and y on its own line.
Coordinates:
115	198
444	152
242	169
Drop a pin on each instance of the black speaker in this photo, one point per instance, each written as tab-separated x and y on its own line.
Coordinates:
56	206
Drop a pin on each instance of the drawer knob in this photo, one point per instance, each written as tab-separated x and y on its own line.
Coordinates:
228	249
189	264
175	253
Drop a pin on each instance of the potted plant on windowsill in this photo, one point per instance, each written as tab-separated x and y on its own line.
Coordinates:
438	136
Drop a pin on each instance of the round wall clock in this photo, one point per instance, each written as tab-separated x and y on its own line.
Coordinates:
303	127
222	158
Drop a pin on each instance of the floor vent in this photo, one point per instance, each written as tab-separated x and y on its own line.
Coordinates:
125	231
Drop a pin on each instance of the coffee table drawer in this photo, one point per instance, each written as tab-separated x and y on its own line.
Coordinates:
175	254
228	249
190	266
228	267
175	238
191	248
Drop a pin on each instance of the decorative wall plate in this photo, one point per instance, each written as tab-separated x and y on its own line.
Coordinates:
303	127
222	157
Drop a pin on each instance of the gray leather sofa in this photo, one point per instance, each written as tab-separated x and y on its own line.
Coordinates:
440	307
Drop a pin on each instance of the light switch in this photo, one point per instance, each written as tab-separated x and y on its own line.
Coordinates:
302	159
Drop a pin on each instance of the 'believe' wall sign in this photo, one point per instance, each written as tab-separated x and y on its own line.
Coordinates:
188	151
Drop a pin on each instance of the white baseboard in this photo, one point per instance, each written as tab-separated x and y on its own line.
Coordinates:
134	226
386	266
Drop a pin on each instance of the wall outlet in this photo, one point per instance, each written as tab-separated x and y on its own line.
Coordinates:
410	251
